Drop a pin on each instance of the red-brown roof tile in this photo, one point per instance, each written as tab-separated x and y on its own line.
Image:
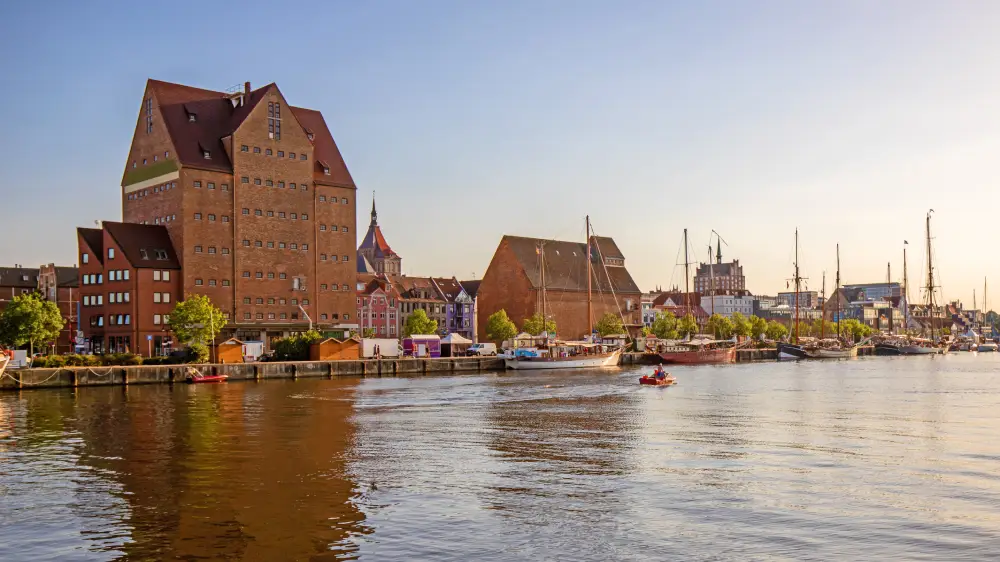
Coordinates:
135	239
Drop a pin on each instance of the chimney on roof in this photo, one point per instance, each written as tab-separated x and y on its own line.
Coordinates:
246	88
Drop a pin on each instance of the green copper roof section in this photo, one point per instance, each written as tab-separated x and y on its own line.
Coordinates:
144	173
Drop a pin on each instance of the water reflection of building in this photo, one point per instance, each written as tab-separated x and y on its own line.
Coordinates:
237	472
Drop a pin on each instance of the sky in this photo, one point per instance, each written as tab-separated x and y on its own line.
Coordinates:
848	120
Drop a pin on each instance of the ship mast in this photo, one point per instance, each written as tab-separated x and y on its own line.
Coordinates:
798	283
930	276
905	292
687	277
888	284
590	301
541	255
822	319
839	313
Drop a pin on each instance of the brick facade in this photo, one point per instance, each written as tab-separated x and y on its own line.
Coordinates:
256	199
508	285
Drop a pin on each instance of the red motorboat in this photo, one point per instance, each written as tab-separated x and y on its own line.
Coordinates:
194	376
653	381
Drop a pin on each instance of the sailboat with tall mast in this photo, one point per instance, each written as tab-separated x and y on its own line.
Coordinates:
987	345
793	349
698	351
558	354
836	349
917	346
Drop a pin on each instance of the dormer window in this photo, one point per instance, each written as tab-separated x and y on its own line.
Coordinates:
206	154
160	254
311	136
192	117
326	170
143	253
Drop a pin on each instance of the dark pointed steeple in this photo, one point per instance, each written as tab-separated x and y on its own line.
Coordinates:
374	214
718	250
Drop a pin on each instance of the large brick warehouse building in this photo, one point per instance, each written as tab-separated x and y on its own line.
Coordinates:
257	204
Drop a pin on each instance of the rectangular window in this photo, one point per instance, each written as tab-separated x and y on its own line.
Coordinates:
282	276
197	216
128	319
198	282
258	212
225	187
246	274
256	181
156	297
281	245
246	315
197	249
268	152
344	229
244	179
259	275
270	244
305	217
256	150
281	214
246	300
281	185
246	211
344	200
211	282
294	246
126	295
257	243
126	274
156	319
294	216
270	275
274	120
302	157
291	155
211	249
197	184
225	251
322	227
225	218
284	315
281	154
260	316
244	148
225	282
291	186
211	185
111	253
322	198
85	258
270	213
305	247
211	217
166	276
269	183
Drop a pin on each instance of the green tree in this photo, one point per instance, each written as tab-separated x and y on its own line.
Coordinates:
534	326
687	326
30	319
758	326
665	326
741	325
296	347
418	323
720	327
775	331
609	324
499	327
369	333
196	320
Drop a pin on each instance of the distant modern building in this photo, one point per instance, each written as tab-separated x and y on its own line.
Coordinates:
726	305
807	299
874	291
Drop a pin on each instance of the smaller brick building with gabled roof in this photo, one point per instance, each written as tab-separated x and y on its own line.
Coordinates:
129	280
516	281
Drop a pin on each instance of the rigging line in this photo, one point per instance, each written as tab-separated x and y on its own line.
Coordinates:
608	274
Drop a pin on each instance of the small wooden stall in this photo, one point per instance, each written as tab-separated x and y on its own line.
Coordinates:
332	349
229	351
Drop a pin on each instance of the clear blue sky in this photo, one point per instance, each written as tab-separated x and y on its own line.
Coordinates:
471	119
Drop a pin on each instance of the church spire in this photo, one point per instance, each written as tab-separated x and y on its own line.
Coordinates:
374	214
718	251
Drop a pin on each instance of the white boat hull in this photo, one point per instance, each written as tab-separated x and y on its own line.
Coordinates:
834	353
536	363
987	347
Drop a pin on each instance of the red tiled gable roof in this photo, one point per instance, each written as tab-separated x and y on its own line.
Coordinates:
134	238
409	288
678	299
566	265
216	118
94	238
324	148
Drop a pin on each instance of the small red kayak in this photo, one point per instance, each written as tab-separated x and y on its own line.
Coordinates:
207	378
653	381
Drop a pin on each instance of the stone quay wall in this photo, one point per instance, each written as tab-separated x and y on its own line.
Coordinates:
66	377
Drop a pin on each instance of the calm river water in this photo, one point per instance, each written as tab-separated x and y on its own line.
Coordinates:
872	459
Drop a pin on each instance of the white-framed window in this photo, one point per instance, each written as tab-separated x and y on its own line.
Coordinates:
85	258
156	319
125	272
111	253
156	275
166	276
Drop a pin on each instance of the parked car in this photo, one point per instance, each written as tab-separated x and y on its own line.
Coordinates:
482	349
